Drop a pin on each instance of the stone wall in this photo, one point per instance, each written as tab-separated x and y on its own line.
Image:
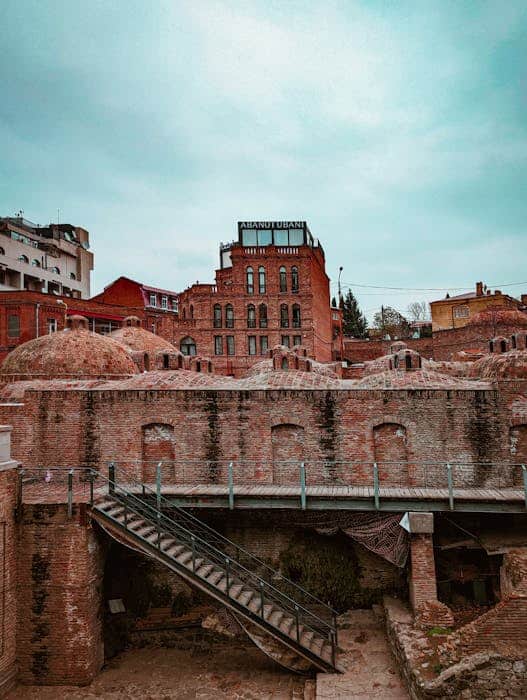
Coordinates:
59	597
478	676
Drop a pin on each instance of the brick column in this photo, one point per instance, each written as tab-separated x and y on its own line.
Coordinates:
428	611
8	562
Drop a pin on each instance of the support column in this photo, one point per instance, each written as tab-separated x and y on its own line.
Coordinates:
8	562
428	611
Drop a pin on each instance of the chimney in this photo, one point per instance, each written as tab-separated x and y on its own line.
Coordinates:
479	289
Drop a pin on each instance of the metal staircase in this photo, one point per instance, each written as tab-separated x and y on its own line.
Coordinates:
285	621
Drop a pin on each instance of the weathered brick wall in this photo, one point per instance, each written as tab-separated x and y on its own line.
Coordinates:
423	575
366	350
59	597
94	427
8	575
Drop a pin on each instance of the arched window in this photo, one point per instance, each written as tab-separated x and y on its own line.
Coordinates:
284	316
166	361
188	346
229	316
217	316
54	270
2	251
262	314
72	276
251	316
261	280
297	321
513	342
191	311
283	279
35	262
408	361
23	258
184	313
250	280
294	278
503	345
285	363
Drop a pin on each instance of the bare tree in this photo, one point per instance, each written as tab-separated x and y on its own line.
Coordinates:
419	311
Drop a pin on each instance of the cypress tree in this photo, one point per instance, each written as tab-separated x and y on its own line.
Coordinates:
353	320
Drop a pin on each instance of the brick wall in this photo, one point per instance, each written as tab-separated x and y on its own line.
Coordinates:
8	575
223	425
59	597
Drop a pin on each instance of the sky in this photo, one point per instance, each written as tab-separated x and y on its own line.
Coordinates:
397	130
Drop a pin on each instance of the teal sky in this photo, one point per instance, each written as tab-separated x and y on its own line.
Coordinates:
398	130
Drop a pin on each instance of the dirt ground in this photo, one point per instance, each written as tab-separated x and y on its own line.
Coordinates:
235	671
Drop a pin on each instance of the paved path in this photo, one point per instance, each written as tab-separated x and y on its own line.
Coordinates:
370	667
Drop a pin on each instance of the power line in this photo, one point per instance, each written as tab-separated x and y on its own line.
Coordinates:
430	289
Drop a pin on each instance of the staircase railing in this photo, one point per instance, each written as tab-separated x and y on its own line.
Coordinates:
229	557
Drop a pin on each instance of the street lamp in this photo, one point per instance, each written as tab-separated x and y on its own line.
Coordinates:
340	293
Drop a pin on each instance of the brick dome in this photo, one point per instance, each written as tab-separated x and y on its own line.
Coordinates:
140	340
499	317
72	353
507	365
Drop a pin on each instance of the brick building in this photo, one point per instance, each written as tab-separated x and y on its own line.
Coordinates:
432	436
55	259
271	288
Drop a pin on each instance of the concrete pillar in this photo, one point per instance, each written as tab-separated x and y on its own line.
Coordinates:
8	562
428	611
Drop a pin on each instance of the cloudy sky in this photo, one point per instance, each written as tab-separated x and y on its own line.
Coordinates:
398	130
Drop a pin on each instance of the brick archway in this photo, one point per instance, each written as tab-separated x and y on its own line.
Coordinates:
287	441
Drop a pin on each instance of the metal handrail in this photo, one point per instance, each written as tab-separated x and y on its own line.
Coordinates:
185	515
219	557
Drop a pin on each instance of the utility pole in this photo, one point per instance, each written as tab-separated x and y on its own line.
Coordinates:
341	311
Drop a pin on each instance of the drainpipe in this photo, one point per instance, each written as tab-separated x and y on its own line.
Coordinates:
37	320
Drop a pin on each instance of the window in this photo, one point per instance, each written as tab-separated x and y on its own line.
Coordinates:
297	340
250	280
218	345
188	346
283	279
184	313
294	278
229	316
175	304
284	316
285	340
153	300
35	262
461	311
2	251
191	311
261	280
72	276
23	258
52	325
164	302
13	326
296	316
285	363
251	316
55	270
217	321
262	314
264	345
230	344
251	344
281	236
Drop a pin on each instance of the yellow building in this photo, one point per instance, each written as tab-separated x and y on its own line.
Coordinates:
456	311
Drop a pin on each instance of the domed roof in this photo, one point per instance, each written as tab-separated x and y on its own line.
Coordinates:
74	352
137	339
499	316
506	365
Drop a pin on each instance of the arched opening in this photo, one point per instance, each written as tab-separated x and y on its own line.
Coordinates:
287	442
249	280
198	366
191	311
261	280
146	362
391	453
217	316
284	316
24	259
158	446
408	361
179	362
513	342
251	316
503	345
229	316
188	346
285	363
294	278
491	346
35	262
166	362
262	315
283	279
